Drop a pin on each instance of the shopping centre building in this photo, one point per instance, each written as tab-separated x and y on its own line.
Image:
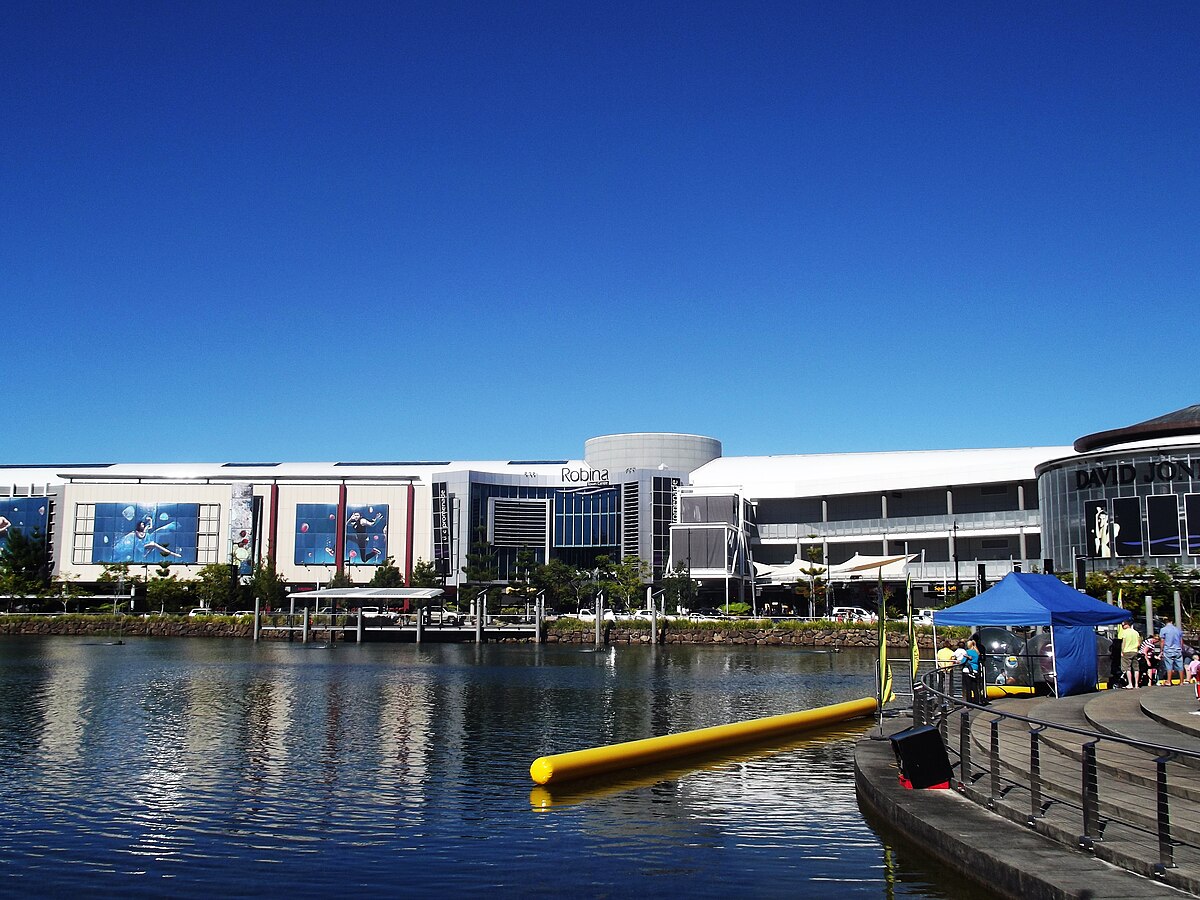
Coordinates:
747	528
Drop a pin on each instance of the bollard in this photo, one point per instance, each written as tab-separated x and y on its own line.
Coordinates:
257	619
420	625
480	608
358	627
304	626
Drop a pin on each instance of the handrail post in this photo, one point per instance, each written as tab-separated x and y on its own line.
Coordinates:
964	748
1091	797
994	763
944	722
1035	773
1166	850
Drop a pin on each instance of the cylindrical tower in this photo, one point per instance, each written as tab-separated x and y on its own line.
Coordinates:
650	450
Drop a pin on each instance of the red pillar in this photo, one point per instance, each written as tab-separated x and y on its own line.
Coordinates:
340	542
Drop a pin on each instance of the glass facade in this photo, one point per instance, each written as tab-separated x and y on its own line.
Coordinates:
664	506
1117	508
586	522
586	518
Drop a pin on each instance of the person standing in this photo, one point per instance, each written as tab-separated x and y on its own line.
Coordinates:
1172	651
1130	641
972	674
945	662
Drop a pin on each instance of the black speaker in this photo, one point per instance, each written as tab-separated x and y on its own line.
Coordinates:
921	756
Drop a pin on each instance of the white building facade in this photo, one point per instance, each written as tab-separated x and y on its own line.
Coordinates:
673	500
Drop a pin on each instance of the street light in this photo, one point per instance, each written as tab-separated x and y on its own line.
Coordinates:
954	550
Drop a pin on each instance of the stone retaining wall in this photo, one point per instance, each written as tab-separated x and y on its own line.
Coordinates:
154	626
130	626
790	637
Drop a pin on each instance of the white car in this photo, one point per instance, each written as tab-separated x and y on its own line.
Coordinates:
442	617
200	611
587	615
852	614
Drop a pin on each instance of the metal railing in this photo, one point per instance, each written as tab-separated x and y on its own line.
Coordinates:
1139	792
937	524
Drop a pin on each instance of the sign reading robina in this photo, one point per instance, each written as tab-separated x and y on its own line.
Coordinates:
22	514
316	534
145	533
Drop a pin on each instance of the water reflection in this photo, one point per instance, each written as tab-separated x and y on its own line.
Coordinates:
200	767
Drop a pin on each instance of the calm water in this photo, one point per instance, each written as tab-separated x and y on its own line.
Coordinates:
223	768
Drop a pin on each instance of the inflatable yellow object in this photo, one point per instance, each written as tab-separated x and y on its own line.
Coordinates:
598	760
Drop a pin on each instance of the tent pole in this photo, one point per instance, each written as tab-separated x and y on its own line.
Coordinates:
1054	660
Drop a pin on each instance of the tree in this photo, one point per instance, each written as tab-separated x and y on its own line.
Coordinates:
165	590
268	586
24	563
814	570
522	583
622	582
387	575
680	588
480	570
68	592
340	580
564	584
214	587
425	575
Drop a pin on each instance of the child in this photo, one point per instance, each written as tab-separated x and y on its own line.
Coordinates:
1193	670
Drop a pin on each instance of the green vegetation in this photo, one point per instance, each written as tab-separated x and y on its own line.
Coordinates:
387	575
425	575
24	563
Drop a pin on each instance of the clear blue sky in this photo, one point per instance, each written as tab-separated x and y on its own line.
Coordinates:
348	231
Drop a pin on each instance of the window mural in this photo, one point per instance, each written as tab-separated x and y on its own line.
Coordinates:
366	535
316	534
23	514
145	533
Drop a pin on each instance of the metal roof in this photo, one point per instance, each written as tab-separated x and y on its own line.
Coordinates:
828	474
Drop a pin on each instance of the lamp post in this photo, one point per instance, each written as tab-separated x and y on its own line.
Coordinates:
954	551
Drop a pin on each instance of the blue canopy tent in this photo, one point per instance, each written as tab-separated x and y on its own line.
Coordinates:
1020	599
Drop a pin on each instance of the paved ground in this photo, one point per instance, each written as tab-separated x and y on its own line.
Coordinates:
1028	844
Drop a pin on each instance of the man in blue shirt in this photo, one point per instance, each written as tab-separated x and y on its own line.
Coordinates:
1172	651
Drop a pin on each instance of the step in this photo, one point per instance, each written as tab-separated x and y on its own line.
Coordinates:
1122	713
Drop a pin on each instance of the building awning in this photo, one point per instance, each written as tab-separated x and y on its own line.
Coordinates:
374	593
857	567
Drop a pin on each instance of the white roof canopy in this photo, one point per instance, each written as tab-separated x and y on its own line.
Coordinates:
374	593
856	568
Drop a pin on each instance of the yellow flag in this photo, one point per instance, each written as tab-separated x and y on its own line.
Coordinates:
888	694
885	671
913	649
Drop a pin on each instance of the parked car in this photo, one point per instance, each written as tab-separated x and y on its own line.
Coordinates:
200	611
374	612
442	616
587	615
852	614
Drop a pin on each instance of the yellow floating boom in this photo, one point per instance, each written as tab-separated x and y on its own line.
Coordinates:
598	760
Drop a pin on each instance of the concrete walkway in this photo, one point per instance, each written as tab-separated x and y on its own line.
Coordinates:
1009	859
1004	838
